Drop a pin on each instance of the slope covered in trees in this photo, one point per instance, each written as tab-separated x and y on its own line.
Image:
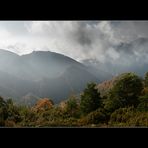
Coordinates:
124	105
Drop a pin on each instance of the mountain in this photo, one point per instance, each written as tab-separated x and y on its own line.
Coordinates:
41	74
29	99
97	69
47	64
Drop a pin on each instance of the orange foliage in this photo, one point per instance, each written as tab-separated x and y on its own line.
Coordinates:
106	86
43	104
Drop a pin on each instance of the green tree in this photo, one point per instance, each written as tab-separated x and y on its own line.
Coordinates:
72	107
3	111
28	116
90	99
71	104
125	92
146	79
13	111
143	105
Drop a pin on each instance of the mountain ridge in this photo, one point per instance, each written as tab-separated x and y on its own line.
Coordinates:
42	73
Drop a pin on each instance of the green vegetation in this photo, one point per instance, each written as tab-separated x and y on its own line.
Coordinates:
143	103
146	80
124	105
125	92
90	99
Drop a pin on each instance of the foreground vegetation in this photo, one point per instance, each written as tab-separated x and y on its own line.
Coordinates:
125	105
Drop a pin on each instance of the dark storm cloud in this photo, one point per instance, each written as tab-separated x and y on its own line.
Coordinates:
82	37
84	34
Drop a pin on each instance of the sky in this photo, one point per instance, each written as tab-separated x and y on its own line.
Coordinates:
105	41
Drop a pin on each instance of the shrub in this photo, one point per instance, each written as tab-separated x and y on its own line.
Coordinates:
10	123
94	117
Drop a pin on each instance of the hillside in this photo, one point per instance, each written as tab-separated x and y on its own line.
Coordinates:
43	74
97	69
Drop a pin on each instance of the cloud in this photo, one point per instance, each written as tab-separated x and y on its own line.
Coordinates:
117	43
130	30
78	39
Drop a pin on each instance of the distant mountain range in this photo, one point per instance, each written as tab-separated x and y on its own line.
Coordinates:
42	74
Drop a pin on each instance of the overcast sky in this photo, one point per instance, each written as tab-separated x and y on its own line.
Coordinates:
77	39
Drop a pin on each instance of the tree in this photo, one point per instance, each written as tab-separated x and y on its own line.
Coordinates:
13	111
143	105
28	115
43	104
125	92
146	79
3	111
90	99
72	106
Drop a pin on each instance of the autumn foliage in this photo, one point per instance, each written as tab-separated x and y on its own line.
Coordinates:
43	104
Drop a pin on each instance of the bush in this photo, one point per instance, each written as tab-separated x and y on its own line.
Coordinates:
10	123
94	117
122	115
13	112
128	117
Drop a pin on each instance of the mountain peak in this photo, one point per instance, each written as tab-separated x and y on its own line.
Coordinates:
41	74
7	52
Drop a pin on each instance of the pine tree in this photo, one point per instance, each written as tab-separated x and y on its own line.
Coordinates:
90	99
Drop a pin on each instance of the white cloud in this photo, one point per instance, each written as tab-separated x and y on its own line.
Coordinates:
113	54
4	34
77	39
